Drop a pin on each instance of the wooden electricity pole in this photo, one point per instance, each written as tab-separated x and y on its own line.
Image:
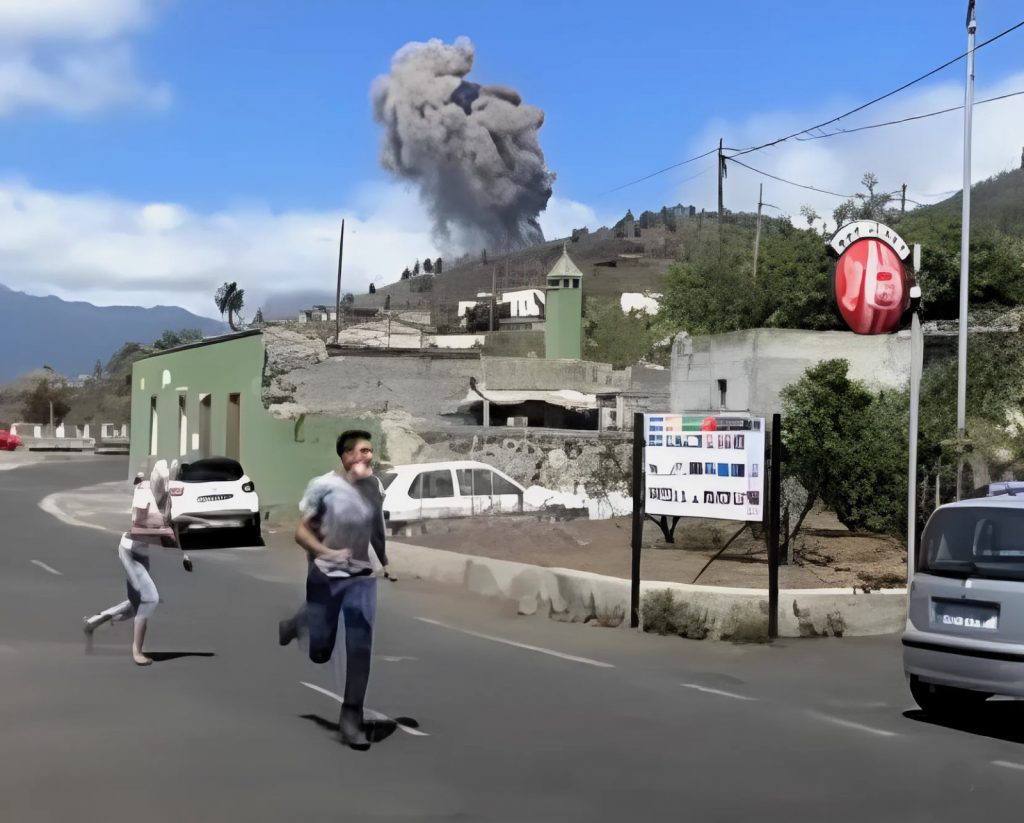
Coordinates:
903	199
337	300
721	174
494	285
757	234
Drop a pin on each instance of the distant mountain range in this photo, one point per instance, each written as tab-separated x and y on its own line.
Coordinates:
71	337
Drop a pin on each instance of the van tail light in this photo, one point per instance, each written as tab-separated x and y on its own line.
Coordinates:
249	487
176	491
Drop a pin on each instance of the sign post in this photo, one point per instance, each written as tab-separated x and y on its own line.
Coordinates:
774	523
694	466
638	519
875	294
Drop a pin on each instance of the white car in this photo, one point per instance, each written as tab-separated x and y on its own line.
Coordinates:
214	493
455	488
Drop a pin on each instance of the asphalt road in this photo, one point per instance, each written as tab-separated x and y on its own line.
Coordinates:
520	719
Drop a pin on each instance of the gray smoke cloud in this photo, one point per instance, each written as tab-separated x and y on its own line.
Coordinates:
472	150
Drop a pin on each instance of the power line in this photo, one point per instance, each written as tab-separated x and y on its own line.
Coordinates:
882	97
790	182
823	135
661	171
820	126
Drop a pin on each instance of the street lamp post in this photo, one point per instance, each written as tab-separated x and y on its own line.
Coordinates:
965	238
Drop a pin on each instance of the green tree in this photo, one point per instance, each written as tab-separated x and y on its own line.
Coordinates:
406	274
171	339
36	403
997	263
230	300
867	205
847	446
416	269
438	266
428	266
373	289
610	336
795	274
713	294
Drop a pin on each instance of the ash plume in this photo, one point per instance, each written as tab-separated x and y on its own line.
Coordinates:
472	150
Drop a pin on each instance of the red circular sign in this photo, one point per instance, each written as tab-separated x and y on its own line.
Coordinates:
871	287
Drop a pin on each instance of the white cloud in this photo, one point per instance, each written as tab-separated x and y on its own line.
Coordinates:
927	155
562	216
110	251
71	19
73	56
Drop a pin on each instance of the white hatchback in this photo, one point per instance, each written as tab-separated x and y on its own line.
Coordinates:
213	494
455	488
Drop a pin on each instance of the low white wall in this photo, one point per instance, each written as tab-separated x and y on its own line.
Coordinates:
717	612
455	341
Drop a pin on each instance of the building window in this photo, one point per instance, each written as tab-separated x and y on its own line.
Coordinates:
565	282
205	409
182	424
154	427
575	282
722	384
233	443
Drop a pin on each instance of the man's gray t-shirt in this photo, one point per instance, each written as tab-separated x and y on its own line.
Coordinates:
344	518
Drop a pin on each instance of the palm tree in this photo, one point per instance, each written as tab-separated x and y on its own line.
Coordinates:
230	299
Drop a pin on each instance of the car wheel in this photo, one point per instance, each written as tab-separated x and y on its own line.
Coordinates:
251	534
944	700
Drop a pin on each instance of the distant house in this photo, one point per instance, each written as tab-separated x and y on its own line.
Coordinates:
318	315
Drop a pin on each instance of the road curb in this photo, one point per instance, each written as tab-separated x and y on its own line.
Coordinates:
714	612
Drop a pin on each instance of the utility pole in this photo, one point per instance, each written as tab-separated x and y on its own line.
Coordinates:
965	248
903	200
494	285
757	235
721	174
337	299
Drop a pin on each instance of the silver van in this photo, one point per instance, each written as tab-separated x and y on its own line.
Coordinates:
964	640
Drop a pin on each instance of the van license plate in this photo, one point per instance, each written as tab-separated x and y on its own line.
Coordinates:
957	614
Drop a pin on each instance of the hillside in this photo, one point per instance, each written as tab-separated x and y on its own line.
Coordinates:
997	203
71	336
611	264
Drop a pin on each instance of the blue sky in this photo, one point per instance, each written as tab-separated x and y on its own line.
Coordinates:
158	136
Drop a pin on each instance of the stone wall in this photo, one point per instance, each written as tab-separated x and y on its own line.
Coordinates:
570	462
527	373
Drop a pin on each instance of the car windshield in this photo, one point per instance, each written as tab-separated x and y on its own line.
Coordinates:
974	541
210	470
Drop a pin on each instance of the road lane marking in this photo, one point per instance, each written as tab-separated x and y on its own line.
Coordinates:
372	713
719	692
395	658
49	505
1006	764
43	566
849	724
527	646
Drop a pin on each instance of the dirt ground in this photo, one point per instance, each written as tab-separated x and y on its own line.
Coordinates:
826	554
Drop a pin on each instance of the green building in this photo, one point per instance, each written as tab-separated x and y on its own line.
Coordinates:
205	399
563	311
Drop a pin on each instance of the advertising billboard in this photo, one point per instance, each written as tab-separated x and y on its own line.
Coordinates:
704	466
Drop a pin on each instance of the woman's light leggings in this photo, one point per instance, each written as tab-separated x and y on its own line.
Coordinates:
142	593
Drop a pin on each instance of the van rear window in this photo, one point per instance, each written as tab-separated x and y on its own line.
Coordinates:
974	541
